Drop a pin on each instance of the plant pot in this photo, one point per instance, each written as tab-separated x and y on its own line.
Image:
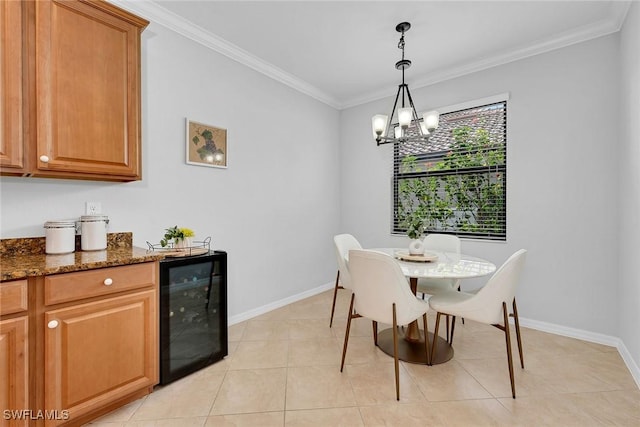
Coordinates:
416	247
183	244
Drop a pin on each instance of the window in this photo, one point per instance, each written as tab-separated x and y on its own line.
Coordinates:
456	182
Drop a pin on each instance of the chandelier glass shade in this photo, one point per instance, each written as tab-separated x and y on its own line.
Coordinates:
409	127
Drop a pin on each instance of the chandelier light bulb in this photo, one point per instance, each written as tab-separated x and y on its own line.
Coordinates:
379	125
431	120
423	128
404	117
397	132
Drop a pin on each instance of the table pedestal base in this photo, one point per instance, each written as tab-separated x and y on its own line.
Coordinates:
413	351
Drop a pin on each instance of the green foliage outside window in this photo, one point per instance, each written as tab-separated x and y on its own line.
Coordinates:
461	191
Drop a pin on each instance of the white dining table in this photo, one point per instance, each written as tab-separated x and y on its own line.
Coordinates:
445	265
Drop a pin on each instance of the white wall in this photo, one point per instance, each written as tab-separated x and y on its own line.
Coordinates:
629	185
274	209
562	176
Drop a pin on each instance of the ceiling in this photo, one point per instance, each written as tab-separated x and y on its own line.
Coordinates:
344	52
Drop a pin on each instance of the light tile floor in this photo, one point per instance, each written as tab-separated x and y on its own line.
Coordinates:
284	370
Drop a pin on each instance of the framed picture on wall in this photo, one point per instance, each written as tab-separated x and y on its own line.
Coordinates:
206	145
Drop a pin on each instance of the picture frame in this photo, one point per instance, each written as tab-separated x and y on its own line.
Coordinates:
206	145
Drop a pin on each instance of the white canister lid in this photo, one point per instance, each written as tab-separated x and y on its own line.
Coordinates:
62	223
94	218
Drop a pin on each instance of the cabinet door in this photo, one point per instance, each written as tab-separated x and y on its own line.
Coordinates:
98	352
14	376
11	133
88	90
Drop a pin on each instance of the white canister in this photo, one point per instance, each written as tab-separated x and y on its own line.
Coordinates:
93	230
60	236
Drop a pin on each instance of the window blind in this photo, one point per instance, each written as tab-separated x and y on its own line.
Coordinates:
456	181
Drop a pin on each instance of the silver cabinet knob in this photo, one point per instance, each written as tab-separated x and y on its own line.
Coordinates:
44	159
108	281
52	324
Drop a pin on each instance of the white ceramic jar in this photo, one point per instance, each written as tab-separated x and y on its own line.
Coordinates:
60	236
93	230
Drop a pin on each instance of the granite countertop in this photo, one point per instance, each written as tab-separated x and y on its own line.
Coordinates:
22	258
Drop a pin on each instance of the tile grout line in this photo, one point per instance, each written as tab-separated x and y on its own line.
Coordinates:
213	402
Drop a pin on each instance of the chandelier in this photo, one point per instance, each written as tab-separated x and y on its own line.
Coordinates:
410	127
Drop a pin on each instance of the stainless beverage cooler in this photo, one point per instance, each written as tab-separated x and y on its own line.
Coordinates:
193	313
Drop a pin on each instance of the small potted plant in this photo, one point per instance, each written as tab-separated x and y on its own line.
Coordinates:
179	237
413	214
415	221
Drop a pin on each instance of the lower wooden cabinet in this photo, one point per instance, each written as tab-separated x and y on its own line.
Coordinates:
14	372
99	352
74	346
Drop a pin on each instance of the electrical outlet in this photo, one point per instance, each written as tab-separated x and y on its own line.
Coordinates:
92	208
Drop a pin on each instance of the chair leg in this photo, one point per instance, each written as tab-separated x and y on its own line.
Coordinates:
435	337
453	328
395	352
426	338
375	332
507	335
517	322
335	294
346	334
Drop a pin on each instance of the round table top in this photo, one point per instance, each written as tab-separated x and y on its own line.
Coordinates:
448	265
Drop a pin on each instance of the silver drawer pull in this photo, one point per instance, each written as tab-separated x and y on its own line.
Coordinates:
52	324
108	281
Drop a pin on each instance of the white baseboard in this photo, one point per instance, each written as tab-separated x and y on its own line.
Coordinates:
631	364
277	304
587	336
569	332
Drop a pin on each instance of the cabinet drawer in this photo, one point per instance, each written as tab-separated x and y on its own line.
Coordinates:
84	284
13	296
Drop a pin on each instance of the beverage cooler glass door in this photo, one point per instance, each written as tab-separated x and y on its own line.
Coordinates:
193	314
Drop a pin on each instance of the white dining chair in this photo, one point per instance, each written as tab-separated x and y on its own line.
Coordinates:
488	305
343	244
381	293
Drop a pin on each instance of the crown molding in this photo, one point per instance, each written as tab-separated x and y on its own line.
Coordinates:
608	25
159	15
619	12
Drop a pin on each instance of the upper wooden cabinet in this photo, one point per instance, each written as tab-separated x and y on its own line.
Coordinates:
11	87
82	91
